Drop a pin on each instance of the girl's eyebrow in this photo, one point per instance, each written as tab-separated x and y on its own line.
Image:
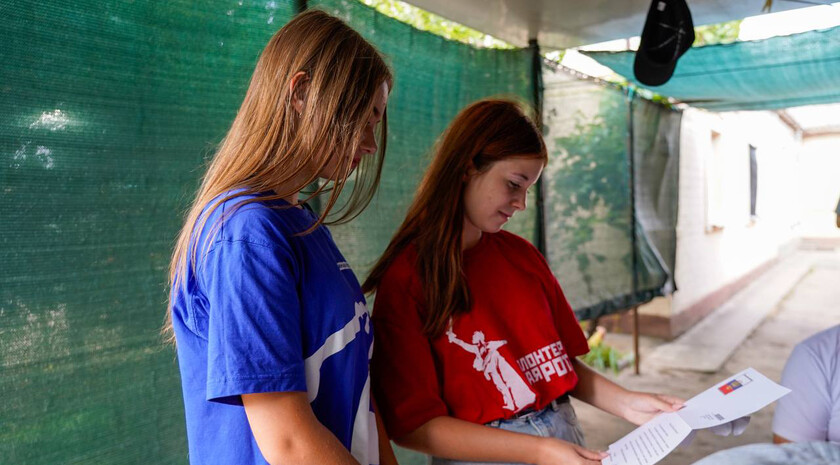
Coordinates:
525	178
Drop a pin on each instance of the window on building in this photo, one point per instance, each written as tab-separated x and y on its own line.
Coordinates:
715	208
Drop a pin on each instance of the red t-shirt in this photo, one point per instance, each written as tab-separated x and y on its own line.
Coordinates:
512	351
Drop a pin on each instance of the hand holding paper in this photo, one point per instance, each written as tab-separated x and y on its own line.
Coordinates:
723	404
641	407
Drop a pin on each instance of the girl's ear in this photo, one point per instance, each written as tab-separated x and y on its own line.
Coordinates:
471	171
298	86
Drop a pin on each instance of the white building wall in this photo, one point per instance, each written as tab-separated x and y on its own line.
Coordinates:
819	186
718	241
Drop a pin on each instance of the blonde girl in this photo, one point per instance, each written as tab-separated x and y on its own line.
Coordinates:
272	331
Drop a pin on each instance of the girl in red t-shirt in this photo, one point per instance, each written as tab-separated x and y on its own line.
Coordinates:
475	342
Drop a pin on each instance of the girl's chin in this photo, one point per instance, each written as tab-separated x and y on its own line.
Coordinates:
492	229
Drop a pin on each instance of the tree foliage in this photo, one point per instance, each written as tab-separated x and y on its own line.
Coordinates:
590	189
722	33
426	21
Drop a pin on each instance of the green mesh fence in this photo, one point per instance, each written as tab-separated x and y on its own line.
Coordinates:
656	153
107	109
107	113
780	72
435	78
589	202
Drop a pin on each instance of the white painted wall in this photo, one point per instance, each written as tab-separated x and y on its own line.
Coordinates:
819	186
719	243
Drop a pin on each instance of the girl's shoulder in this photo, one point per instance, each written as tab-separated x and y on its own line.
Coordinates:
237	216
510	240
403	268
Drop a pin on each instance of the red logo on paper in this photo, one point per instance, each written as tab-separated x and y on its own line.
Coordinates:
735	384
730	387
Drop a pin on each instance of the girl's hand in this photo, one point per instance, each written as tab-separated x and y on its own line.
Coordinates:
639	407
555	451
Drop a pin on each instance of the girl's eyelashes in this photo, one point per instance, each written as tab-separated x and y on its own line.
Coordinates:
514	185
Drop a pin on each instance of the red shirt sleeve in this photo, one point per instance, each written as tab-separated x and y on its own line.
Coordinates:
405	381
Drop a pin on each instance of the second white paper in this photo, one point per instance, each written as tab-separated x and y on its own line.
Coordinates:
650	442
735	397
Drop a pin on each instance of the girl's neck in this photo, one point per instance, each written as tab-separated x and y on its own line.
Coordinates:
292	199
292	196
470	235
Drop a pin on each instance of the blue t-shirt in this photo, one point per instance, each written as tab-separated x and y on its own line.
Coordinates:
268	311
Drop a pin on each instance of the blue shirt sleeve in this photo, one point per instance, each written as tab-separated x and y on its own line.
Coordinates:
254	330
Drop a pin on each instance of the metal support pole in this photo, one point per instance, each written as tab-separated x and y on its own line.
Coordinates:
631	159
636	360
537	85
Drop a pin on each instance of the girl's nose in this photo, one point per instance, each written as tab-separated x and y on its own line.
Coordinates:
368	145
520	201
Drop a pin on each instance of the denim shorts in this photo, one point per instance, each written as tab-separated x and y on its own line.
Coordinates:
558	420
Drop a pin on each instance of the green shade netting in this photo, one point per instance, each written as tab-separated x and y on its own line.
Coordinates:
603	262
108	111
434	79
780	72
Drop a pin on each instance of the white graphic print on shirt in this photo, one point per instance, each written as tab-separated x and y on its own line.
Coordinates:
548	361
363	447
515	391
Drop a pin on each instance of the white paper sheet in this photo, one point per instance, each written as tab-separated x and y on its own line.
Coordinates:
732	398
650	442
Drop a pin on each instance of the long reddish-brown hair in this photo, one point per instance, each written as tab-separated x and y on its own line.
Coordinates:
483	133
272	147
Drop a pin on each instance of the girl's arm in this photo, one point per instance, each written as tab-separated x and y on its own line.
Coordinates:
462	440
635	407
287	431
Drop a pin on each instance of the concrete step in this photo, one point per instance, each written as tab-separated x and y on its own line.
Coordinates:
709	344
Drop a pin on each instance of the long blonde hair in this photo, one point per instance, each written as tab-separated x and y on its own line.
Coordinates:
272	147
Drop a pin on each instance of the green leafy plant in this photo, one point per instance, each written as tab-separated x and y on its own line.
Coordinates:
603	357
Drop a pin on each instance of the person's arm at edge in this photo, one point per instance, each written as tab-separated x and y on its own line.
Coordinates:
386	452
635	407
287	431
837	212
451	437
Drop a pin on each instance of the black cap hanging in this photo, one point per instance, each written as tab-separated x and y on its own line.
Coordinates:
668	33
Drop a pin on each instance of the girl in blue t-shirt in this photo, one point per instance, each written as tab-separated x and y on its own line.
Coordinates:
272	331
